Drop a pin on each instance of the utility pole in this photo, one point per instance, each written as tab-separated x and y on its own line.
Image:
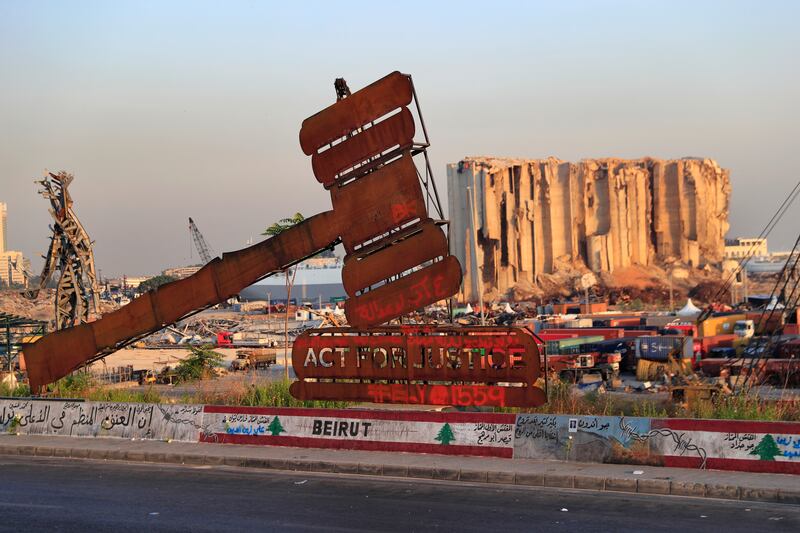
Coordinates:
478	273
744	279
671	299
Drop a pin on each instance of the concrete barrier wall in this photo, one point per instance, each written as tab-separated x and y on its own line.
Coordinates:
718	444
742	445
102	419
591	439
483	434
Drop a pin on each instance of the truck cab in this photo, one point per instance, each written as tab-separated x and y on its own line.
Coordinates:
744	329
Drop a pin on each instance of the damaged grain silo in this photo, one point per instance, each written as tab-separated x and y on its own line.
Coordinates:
530	216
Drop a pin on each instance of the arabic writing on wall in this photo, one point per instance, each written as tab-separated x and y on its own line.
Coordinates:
101	419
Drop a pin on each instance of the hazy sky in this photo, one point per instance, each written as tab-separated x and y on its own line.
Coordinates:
165	110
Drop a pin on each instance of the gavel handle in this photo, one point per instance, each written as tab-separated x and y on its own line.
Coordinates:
57	354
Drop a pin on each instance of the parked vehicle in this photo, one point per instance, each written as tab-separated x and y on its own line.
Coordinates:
744	329
258	358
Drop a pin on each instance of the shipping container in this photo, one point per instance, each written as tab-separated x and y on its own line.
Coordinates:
659	320
578	323
616	321
625	347
716	341
570	346
578	308
606	333
685	329
636	332
764	323
660	347
557	336
625	322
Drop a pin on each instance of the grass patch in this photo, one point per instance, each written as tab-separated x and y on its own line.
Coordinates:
562	399
103	394
263	394
16	392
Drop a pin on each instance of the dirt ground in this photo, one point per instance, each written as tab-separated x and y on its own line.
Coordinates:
141	358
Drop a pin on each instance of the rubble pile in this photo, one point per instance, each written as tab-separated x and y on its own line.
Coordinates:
42	308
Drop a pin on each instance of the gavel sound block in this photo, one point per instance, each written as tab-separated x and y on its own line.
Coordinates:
397	258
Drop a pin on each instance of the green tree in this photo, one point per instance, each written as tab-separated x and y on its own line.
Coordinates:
275	428
276	229
766	449
154	282
201	362
445	435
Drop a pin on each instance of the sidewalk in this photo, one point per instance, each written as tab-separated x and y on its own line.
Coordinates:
778	488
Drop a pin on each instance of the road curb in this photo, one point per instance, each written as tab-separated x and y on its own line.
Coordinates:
579	482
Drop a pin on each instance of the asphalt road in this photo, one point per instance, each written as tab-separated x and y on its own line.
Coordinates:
47	494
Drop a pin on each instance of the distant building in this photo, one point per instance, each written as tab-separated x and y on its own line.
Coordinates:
182	272
12	268
128	282
744	247
3	228
13	265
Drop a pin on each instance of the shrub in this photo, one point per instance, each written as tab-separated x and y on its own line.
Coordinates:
201	362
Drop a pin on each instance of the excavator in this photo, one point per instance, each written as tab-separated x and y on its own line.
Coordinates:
363	152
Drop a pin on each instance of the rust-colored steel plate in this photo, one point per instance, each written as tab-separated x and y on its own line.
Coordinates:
360	108
132	320
361	272
57	354
378	202
244	267
418	353
172	299
423	287
397	130
421	394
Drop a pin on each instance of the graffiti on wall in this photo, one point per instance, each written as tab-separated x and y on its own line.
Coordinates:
753	442
665	440
101	419
580	438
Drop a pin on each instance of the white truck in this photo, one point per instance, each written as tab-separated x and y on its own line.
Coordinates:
744	329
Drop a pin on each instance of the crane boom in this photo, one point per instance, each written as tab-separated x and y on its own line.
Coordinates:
199	242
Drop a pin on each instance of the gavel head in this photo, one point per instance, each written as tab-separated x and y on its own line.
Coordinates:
362	151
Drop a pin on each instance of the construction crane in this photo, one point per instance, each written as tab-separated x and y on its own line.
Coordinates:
200	243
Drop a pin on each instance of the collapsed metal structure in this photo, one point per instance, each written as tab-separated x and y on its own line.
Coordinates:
397	260
14	330
70	253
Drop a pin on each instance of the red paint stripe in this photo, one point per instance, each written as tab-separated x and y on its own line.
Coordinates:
342	444
740	465
403	416
726	426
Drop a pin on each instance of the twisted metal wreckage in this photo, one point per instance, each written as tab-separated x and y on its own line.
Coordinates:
397	260
70	253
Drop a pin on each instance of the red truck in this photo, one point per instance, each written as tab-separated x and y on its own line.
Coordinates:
570	368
